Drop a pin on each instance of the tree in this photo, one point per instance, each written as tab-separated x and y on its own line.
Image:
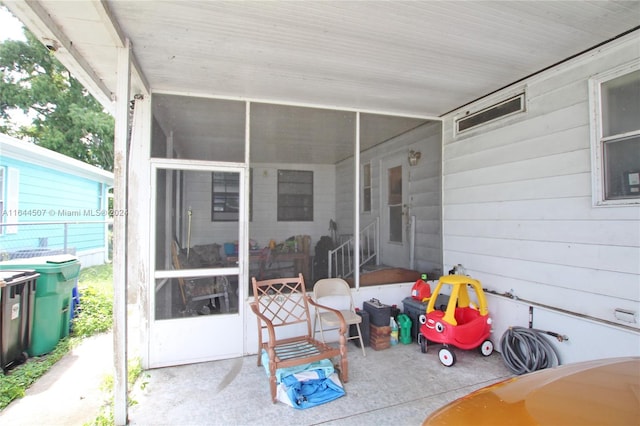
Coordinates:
64	116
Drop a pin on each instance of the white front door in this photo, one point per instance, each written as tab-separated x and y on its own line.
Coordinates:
196	314
394	240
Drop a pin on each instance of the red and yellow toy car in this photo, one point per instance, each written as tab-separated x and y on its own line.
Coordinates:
463	324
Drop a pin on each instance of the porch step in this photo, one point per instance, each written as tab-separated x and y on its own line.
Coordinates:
372	267
386	275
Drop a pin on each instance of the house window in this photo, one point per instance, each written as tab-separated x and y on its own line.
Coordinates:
394	202
2	197
366	187
225	197
295	196
9	192
616	136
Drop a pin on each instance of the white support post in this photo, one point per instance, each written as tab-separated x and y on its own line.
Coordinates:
356	205
120	151
169	196
244	209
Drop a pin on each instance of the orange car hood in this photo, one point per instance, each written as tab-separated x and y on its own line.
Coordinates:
602	392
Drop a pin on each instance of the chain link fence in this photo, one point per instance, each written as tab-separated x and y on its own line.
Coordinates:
85	239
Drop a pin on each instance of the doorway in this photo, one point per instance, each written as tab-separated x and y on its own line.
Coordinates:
394	242
195	299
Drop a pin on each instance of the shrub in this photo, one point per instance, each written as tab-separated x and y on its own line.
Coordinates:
95	311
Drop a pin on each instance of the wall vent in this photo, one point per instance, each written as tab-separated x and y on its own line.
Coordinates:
491	113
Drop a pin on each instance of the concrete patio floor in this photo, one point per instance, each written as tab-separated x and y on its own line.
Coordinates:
396	386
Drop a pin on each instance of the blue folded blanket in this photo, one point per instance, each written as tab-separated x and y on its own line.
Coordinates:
325	365
314	389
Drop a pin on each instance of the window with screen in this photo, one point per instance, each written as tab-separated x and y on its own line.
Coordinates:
295	196
616	138
366	187
225	197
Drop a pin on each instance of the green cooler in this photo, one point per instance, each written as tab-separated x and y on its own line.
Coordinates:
58	277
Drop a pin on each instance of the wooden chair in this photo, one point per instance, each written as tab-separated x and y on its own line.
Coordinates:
283	302
193	290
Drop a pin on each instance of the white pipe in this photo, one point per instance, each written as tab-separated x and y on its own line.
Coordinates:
190	214
412	247
378	241
356	205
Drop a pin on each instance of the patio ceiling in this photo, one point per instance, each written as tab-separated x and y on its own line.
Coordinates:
416	59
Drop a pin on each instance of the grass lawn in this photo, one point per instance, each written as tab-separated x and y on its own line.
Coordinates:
94	315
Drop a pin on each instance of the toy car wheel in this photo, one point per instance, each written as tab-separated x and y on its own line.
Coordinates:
423	344
486	348
447	357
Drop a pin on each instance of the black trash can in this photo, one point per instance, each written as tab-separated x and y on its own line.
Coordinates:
17	295
414	309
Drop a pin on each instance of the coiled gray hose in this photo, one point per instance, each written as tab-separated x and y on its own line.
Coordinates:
525	350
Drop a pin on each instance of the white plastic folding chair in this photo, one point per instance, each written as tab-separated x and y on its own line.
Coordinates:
335	293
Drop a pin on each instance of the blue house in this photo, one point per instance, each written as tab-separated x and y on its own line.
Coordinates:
51	204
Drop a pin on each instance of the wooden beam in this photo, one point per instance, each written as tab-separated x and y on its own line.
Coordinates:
39	22
139	81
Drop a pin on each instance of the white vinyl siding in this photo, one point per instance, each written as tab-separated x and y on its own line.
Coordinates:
517	207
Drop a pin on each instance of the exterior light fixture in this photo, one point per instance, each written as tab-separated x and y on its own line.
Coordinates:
414	156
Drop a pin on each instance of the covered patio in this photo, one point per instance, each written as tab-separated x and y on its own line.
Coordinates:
244	122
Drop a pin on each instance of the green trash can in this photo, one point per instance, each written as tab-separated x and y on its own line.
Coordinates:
52	307
404	322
